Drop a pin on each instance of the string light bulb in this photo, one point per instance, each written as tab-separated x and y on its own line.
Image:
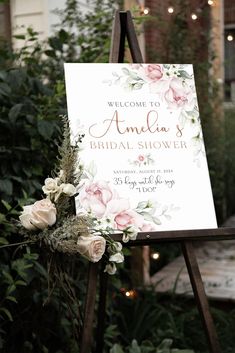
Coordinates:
194	17
155	256
144	10
170	9
129	293
230	37
211	2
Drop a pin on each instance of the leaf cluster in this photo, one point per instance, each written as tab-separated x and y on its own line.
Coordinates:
151	319
147	347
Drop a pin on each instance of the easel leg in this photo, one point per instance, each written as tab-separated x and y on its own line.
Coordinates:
200	296
101	312
89	308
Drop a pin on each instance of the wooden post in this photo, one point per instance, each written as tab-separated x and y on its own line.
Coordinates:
87	332
101	311
200	296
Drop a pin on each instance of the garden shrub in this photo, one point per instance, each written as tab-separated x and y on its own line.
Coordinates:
32	97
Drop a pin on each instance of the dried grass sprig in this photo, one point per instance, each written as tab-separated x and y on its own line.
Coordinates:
68	154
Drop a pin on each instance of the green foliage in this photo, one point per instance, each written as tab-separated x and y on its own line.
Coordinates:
151	319
147	347
35	316
27	141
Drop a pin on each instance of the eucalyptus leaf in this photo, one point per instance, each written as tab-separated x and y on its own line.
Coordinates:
184	74
137	86
125	71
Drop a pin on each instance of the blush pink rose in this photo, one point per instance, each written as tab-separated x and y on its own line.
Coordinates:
115	206
92	247
40	215
94	197
128	218
179	95
153	72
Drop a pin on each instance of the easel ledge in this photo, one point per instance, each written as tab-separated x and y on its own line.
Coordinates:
123	28
146	238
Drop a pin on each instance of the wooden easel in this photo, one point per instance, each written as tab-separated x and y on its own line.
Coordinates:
123	27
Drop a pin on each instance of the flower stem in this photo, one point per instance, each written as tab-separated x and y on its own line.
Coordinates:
16	244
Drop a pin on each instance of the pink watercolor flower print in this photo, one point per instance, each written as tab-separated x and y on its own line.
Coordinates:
153	72
128	218
141	158
179	95
95	196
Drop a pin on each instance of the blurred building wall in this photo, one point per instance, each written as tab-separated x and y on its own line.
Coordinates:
17	15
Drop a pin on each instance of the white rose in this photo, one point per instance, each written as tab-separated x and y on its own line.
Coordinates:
110	269
40	215
114	247
130	233
118	246
50	187
92	247
68	189
118	258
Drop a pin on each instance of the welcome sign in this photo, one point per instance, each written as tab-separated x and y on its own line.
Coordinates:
143	154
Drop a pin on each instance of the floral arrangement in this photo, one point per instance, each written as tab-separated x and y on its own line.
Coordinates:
52	220
174	86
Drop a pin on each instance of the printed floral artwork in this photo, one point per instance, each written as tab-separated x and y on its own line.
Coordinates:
174	86
113	211
142	160
143	150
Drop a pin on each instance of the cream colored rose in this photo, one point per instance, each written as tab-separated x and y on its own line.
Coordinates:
40	215
118	246
92	247
50	187
115	247
118	258
130	233
110	268
68	189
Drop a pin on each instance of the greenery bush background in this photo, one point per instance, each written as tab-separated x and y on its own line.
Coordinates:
32	96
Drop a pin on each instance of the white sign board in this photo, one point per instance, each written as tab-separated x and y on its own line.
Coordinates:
143	151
